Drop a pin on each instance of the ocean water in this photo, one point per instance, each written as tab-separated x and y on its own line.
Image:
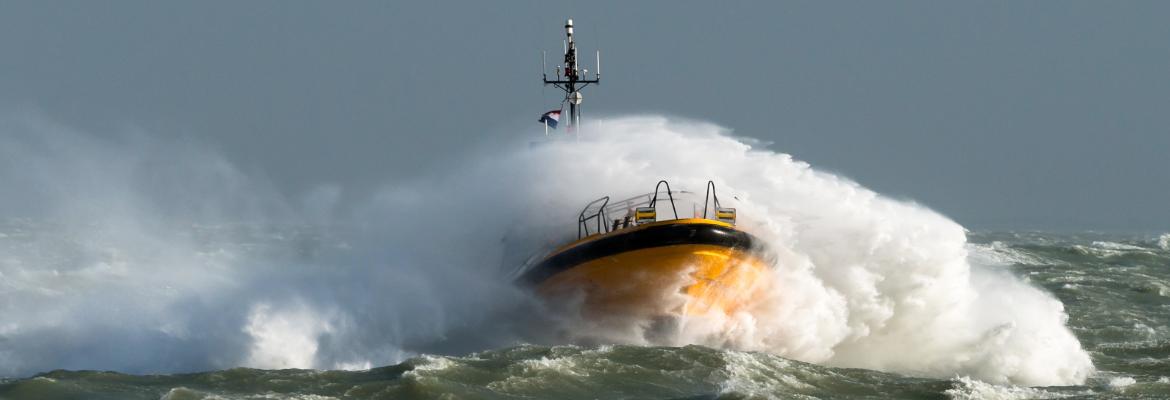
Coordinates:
134	267
1115	287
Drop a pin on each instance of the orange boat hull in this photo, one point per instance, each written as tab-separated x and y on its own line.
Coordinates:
672	268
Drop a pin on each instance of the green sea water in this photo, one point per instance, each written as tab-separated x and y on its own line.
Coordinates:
1115	289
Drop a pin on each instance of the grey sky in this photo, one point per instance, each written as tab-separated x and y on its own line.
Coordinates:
999	114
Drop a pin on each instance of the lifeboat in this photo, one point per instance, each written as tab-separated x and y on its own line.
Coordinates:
649	264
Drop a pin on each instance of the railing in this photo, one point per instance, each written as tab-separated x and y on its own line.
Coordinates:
654	201
600	216
710	194
594	218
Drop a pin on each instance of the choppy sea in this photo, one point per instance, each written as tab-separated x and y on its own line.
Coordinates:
135	267
1114	287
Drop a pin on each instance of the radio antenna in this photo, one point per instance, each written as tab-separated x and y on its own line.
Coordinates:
573	79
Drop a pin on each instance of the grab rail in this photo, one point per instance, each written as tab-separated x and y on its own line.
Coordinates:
654	201
600	215
710	194
594	218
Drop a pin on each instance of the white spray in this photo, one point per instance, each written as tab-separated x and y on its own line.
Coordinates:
860	281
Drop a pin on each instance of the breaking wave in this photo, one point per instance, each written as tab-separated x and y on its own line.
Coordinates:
140	255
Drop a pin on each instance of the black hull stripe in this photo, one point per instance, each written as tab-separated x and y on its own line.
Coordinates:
650	237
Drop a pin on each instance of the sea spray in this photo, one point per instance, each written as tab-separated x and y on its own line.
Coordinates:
170	269
860	280
137	254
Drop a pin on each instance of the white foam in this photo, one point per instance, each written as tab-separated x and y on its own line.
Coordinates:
759	377
433	363
861	280
1118	246
998	253
973	389
1121	382
183	393
284	338
1110	249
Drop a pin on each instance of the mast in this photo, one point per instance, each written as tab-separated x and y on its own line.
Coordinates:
572	79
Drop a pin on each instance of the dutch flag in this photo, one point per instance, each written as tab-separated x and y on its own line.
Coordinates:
550	118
